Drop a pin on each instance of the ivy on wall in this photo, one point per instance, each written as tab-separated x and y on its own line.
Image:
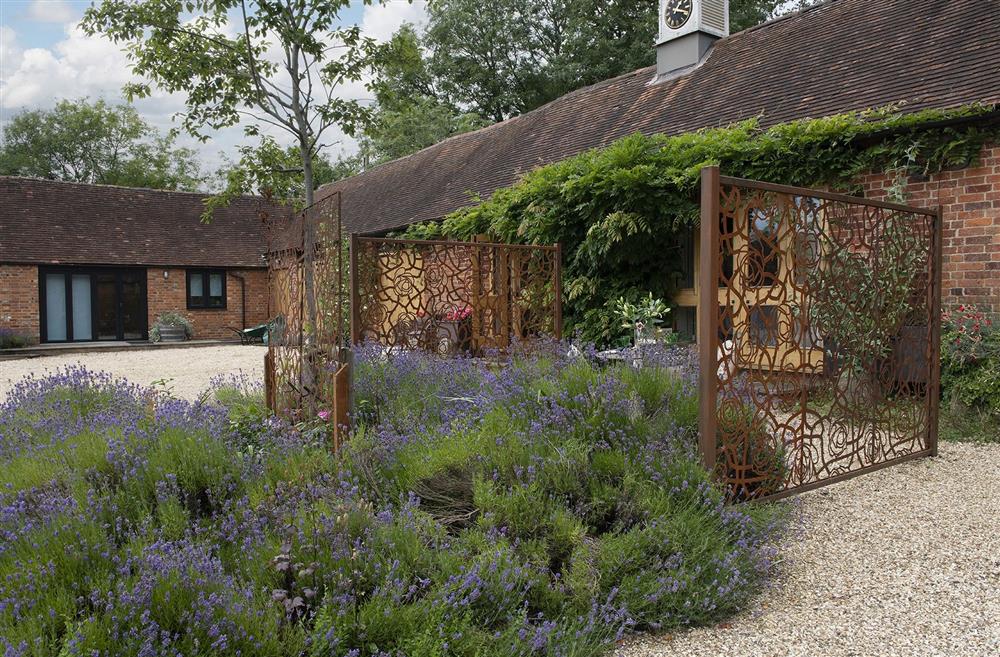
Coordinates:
619	211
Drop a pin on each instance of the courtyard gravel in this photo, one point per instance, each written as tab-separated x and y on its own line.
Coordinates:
901	562
186	372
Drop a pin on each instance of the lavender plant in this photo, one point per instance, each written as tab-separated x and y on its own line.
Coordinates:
543	507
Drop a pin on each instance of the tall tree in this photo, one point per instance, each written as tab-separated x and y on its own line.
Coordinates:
747	13
412	111
278	64
266	167
80	141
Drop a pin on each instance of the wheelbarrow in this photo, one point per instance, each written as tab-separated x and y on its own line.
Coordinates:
259	334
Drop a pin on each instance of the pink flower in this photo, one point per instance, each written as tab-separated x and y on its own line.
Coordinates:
324	415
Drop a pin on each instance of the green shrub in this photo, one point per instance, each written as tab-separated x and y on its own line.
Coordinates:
753	462
13	340
970	376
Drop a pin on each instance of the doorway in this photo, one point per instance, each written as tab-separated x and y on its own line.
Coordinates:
79	304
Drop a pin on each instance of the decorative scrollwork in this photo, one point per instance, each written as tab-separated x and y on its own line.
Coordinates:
827	331
455	297
303	346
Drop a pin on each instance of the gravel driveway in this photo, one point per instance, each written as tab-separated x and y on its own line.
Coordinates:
189	370
901	562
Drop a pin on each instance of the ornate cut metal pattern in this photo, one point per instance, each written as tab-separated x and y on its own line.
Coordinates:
826	336
303	344
454	297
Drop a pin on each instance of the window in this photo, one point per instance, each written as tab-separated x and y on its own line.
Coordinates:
764	258
206	288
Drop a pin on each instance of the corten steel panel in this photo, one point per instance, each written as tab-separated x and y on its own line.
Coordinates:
454	297
830	310
304	351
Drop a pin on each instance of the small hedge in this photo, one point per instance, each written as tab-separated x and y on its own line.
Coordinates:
10	339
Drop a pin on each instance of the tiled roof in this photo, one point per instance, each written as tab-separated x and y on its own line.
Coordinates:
50	222
838	56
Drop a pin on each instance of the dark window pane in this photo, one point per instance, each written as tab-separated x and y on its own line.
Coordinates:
133	320
684	322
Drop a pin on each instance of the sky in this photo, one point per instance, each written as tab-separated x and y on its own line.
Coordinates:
45	57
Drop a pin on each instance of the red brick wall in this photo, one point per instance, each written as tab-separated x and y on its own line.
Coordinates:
970	201
168	294
19	299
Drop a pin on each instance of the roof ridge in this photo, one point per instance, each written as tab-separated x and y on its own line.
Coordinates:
123	187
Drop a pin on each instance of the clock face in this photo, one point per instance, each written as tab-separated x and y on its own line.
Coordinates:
676	13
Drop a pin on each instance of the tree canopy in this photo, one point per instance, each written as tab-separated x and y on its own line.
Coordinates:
267	65
94	142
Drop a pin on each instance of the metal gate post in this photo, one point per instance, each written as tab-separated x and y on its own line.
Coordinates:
355	295
934	335
557	291
708	317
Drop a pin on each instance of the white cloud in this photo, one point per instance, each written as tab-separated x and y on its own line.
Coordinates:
80	65
10	53
381	21
50	11
77	66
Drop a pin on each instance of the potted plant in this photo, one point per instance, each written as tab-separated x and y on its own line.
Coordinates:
455	330
171	327
642	318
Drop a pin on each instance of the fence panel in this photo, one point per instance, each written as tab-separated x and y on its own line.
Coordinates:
453	297
307	310
819	334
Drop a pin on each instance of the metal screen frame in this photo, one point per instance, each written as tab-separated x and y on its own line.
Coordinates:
818	445
451	296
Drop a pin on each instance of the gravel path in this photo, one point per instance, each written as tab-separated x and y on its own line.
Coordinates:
189	370
901	562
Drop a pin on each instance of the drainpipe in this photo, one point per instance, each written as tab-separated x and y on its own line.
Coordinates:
243	296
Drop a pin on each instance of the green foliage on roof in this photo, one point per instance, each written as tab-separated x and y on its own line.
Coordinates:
618	211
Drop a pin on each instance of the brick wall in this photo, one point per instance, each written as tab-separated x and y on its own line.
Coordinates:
970	202
168	294
19	299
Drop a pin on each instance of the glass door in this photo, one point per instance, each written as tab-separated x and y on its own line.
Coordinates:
132	304
80	305
106	306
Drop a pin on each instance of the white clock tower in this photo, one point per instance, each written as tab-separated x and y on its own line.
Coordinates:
688	28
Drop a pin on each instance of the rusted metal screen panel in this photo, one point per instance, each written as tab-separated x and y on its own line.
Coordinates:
454	297
823	310
305	334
